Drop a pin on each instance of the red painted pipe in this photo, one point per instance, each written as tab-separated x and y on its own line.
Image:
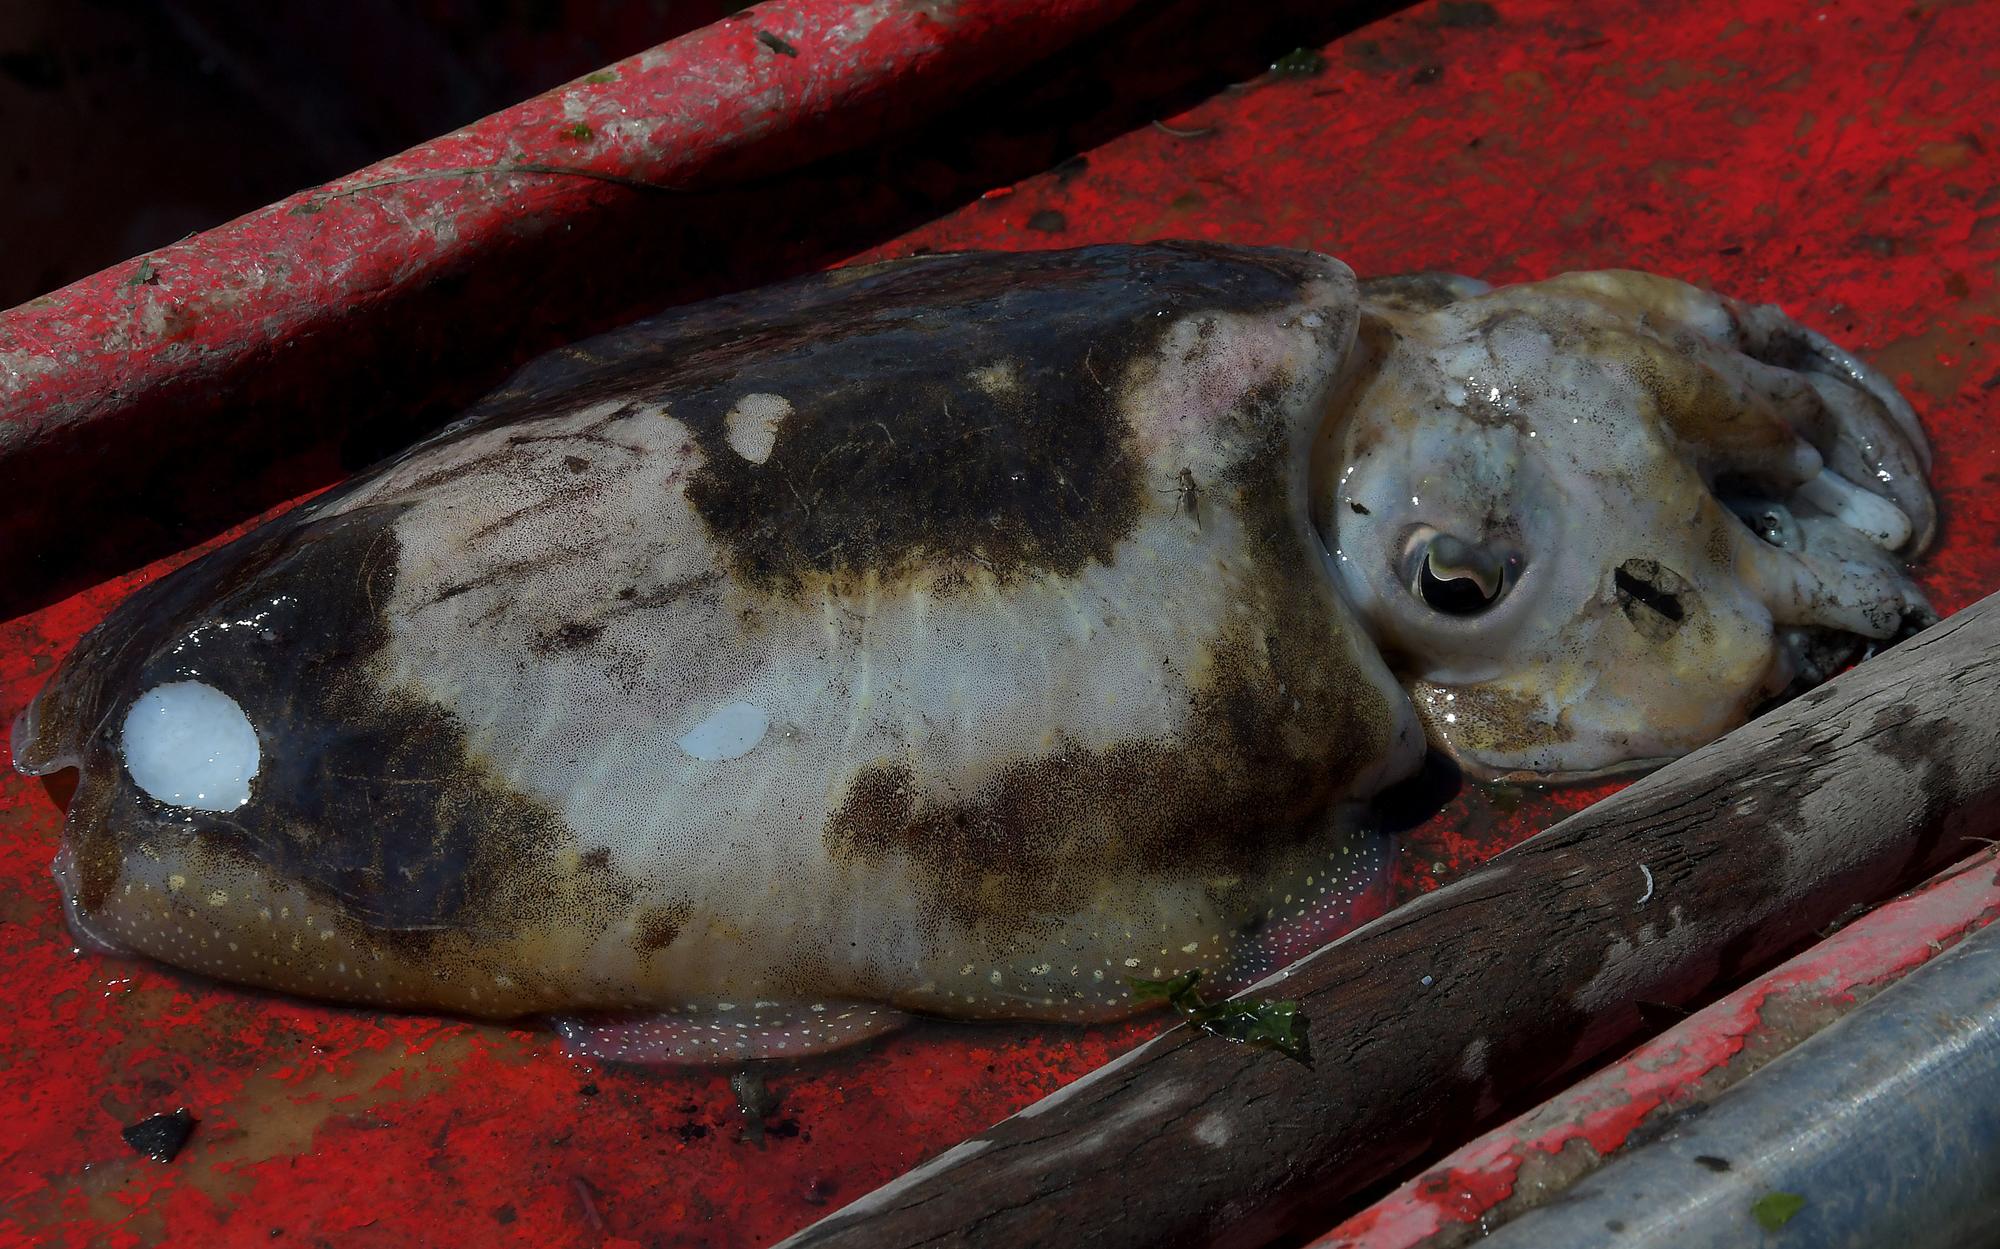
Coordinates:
471	249
750	95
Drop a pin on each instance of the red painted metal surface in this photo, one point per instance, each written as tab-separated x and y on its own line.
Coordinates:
1835	158
1533	1157
197	351
749	95
313	90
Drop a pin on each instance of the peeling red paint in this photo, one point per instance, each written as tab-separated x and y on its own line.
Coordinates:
712	106
399	267
1479	1181
1607	1108
1835	158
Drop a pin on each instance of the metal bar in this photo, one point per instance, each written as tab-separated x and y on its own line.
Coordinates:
213	367
1885	1126
1534	1158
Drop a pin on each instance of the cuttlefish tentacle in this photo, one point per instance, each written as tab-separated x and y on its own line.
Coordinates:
1862	429
1832	576
1765	331
1852	440
1779	403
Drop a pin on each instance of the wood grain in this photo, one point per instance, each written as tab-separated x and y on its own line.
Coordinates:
1427	1021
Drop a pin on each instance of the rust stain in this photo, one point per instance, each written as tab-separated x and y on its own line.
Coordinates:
1674	75
1945	155
1544	1176
278	1117
278	1113
32	911
1783	1020
1942	361
1797	80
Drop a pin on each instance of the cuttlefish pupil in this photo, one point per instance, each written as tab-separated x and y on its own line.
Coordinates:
1458	578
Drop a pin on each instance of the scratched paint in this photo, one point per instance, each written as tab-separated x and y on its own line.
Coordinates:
1531	1158
628	171
1786	150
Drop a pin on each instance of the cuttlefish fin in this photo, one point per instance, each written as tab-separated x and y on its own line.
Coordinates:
726	1032
1339	894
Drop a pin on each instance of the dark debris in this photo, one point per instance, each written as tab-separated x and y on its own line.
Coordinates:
162	1136
1299	63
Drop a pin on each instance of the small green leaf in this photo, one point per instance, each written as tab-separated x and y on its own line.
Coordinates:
600	77
1175	992
1267	1024
580	131
1774	1210
1273	1025
147	274
1299	63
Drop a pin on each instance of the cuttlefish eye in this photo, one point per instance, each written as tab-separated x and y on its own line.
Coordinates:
1455	577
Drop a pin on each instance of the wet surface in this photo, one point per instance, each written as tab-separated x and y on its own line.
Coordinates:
1836	159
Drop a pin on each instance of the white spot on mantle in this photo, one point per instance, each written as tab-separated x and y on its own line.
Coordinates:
730	732
189	744
752	425
997	378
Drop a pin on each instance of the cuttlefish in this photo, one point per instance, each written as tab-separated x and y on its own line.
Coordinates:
965	635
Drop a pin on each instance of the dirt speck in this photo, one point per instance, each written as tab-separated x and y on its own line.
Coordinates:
161	1137
1467	14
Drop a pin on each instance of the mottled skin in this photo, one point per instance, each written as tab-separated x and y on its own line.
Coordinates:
1698	503
1056	588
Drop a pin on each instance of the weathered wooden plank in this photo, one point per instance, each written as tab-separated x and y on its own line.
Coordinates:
1428	1020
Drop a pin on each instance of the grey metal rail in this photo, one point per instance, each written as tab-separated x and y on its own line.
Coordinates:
1886	1125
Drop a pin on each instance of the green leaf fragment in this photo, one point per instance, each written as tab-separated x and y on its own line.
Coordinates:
1266	1024
1175	991
579	131
147	274
1299	63
1773	1210
600	77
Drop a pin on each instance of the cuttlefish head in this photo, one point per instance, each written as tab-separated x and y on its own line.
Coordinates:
1597	521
